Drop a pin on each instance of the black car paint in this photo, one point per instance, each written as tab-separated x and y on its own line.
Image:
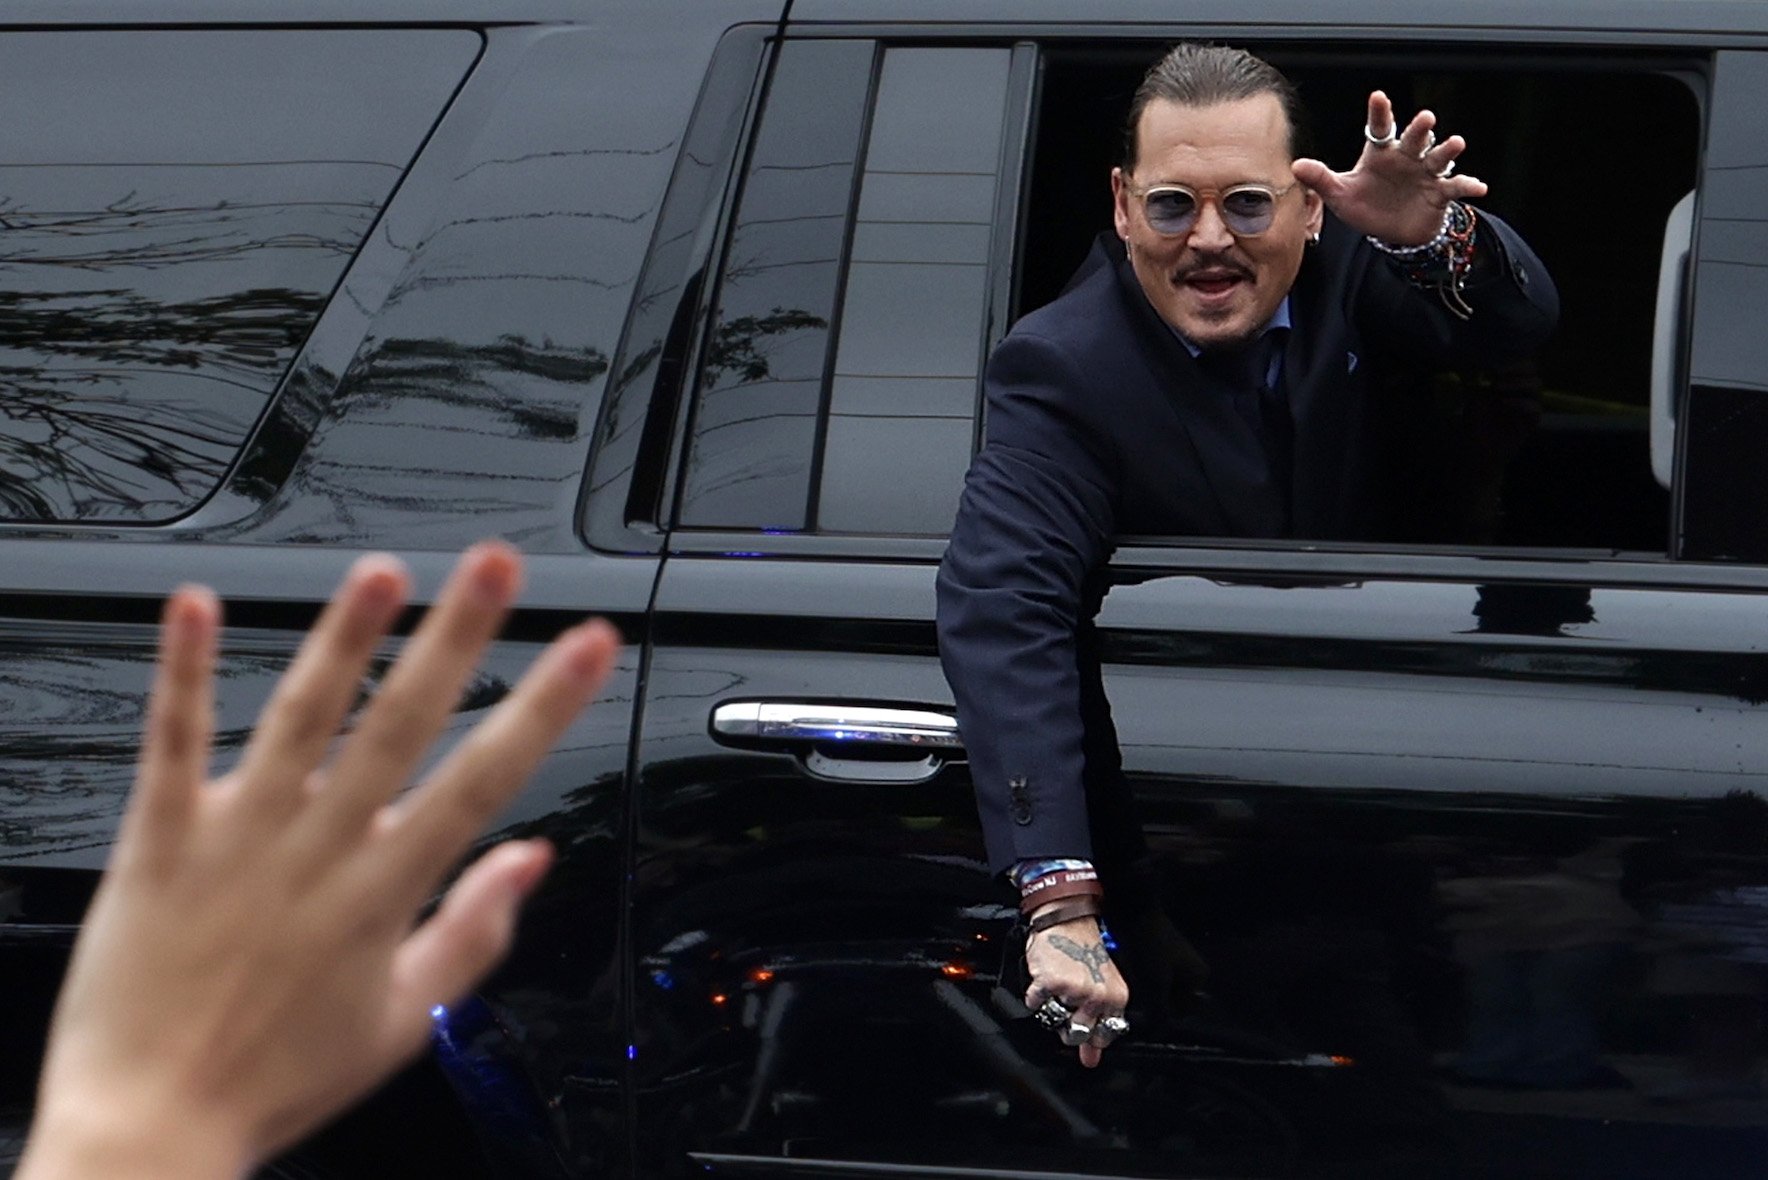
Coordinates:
1355	770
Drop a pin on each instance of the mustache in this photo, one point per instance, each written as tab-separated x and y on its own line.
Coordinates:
1219	266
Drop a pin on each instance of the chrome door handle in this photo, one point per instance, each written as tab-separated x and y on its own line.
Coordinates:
860	730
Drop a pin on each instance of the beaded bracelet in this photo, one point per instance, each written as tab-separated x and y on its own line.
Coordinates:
1441	264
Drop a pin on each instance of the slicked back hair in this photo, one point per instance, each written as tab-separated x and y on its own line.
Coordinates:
1196	75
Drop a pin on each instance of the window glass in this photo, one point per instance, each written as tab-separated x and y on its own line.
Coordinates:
175	209
903	401
754	431
1725	420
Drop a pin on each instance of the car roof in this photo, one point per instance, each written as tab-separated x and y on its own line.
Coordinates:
1707	20
138	13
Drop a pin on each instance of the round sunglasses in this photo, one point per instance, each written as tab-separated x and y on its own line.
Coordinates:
1247	209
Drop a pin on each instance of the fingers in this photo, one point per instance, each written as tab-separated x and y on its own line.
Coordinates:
1465	188
303	714
1380	120
1419	135
466	937
1083	1028
1110	1026
435	823
1440	159
1416	141
1319	177
180	717
419	695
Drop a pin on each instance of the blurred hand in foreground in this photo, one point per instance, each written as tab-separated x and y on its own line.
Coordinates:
251	963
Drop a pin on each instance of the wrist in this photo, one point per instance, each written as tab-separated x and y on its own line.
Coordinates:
124	1140
1058	880
1400	249
1442	264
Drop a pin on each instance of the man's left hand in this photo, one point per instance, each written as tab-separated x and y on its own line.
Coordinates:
1401	183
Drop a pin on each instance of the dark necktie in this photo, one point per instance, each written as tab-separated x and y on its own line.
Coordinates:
1259	400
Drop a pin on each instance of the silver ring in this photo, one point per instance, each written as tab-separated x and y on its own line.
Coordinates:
1115	1025
1076	1033
1393	136
1447	168
1053	1014
1429	142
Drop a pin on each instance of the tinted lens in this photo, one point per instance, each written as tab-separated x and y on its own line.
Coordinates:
1170	210
1249	210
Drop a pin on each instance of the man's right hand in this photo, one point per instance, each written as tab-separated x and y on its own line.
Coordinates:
1069	963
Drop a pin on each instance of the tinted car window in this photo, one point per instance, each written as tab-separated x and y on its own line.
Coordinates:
177	207
754	428
903	399
1726	419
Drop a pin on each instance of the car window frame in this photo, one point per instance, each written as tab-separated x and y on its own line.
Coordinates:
1578	48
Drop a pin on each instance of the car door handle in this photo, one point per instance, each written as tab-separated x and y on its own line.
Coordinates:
871	738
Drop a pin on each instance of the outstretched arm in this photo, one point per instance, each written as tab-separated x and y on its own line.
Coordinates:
1034	524
249	965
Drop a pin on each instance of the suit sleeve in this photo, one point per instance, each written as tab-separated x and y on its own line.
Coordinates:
1034	526
1515	305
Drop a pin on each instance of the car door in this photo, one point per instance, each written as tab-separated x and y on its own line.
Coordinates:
1449	844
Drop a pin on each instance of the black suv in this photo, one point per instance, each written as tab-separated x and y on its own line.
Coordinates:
1458	841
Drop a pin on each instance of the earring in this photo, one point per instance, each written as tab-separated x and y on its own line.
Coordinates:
1129	251
1314	238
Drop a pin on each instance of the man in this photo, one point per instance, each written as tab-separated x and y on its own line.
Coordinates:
1202	375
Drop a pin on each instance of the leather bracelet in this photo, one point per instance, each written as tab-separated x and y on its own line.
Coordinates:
1060	891
1047	881
1065	911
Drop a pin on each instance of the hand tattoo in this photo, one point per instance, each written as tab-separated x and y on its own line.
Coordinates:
1093	958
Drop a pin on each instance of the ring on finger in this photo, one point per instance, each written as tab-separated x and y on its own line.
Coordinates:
1053	1014
1392	137
1111	1028
1429	142
1446	169
1077	1033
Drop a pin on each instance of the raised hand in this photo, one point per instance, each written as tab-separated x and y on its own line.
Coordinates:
1400	184
250	964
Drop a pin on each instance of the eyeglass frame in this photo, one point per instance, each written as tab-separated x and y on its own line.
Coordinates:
1219	195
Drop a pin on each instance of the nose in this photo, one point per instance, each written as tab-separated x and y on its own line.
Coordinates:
1210	233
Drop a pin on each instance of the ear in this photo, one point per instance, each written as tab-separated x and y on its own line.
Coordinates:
1120	203
1315	211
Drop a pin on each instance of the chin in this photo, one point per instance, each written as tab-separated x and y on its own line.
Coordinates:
1216	333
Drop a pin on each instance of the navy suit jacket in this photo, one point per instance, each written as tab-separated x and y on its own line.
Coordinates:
1101	424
